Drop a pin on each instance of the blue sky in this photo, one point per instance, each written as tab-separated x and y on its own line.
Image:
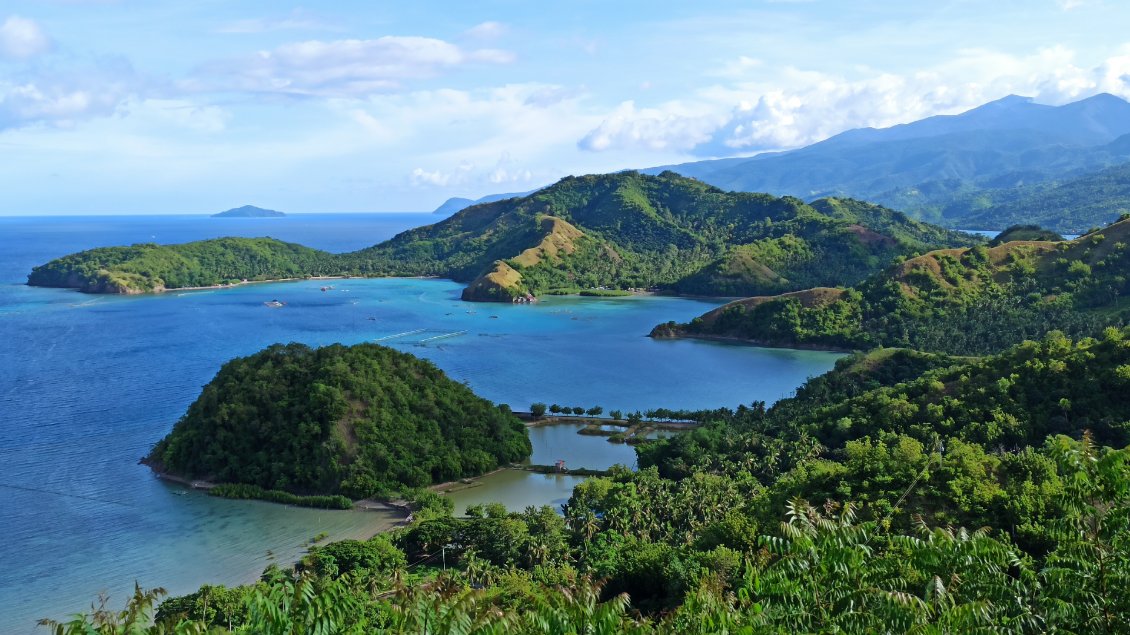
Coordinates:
154	106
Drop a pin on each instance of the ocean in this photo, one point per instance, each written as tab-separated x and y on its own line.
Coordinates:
89	383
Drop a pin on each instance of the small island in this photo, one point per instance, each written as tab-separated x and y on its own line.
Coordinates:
249	211
322	427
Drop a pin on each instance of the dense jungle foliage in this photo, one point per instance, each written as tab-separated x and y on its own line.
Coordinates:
1073	204
918	492
960	301
358	421
148	267
615	231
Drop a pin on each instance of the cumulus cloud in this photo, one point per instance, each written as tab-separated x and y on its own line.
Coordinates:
342	68
649	129
62	98
487	30
551	95
505	171
794	107
21	38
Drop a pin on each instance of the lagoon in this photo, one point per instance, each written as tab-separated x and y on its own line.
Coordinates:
88	383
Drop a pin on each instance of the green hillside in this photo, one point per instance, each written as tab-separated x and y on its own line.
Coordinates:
618	231
629	230
359	420
965	301
147	268
1071	205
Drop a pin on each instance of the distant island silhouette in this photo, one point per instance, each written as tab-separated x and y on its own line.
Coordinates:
248	211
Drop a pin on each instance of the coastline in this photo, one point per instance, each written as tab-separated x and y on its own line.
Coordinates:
220	287
237	284
731	339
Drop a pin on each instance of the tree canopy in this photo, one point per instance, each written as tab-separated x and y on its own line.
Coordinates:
358	420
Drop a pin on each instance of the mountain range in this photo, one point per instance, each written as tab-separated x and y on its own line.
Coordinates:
458	203
949	169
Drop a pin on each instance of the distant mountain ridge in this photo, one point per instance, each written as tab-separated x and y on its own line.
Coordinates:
936	168
248	211
458	203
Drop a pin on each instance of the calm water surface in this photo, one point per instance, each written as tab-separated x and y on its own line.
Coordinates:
89	383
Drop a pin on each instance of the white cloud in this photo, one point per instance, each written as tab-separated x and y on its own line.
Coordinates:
61	98
505	171
420	176
342	68
157	114
649	128
792	107
296	20
487	30
21	38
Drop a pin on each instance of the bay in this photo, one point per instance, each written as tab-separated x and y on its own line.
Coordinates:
89	383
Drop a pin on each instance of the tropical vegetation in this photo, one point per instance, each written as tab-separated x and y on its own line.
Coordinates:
902	492
962	301
338	421
598	235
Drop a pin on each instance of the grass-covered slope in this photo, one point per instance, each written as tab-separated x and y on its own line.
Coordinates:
631	230
971	300
146	268
359	420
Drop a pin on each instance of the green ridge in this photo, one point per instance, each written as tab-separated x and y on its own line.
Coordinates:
964	301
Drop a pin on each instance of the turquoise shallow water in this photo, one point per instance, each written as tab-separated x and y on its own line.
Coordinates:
89	383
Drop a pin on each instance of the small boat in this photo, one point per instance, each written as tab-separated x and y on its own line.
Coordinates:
494	317
274	304
371	319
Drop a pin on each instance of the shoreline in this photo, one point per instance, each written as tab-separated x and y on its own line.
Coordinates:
732	339
459	485
228	286
220	287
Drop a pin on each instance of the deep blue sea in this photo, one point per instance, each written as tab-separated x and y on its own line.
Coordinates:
88	383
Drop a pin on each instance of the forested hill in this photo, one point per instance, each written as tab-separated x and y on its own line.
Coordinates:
360	421
961	442
965	301
146	268
616	231
1072	205
628	230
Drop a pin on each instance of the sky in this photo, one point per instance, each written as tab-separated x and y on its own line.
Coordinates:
156	106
